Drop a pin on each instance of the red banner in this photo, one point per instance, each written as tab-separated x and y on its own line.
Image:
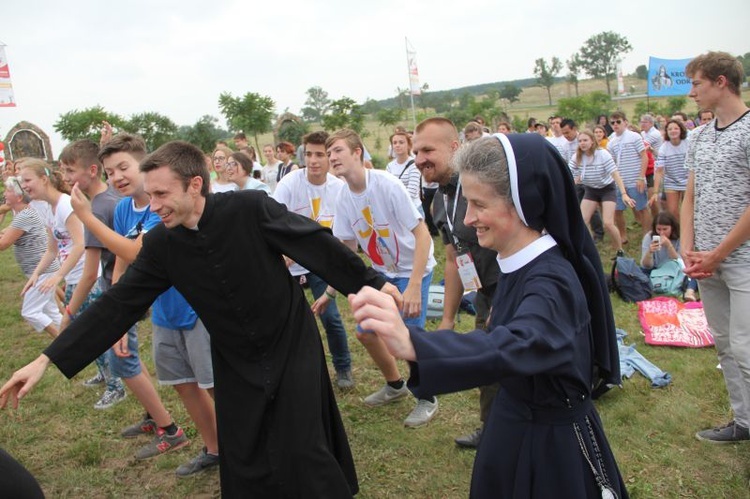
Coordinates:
6	88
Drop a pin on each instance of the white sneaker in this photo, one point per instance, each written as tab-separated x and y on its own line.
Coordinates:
386	395
110	398
422	413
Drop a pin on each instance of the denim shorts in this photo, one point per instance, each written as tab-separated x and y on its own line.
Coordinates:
126	367
641	199
401	283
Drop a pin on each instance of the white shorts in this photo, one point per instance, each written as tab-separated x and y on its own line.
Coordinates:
40	309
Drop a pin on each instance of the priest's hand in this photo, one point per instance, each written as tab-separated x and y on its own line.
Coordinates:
393	291
376	312
23	381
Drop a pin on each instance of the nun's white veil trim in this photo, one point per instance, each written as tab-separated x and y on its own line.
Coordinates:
513	173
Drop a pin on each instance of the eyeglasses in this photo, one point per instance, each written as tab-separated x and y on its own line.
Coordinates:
231	164
219	159
615	122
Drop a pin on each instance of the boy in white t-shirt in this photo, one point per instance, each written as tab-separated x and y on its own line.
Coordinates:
312	192
376	212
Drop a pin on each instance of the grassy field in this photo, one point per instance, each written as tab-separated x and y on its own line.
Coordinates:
75	451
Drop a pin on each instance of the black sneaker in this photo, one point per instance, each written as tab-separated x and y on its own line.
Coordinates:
204	461
728	434
470	441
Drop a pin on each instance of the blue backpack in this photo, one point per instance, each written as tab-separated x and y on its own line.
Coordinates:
668	279
629	281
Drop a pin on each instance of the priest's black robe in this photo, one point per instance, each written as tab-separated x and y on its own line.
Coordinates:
280	432
539	347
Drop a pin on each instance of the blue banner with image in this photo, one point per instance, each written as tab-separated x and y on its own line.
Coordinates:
667	77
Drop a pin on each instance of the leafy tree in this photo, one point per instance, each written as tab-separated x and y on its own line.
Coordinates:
293	131
402	94
585	108
250	114
423	97
641	72
371	106
344	113
545	73
510	93
85	124
664	107
574	68
316	105
156	129
204	133
600	53
388	117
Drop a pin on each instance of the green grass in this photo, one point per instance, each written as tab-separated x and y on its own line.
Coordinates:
75	451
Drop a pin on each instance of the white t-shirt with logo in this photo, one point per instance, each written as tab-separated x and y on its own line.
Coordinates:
317	202
383	212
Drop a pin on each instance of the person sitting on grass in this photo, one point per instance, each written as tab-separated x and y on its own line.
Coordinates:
655	252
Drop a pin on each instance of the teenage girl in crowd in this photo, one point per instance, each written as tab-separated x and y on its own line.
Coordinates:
654	253
403	167
271	168
594	168
285	152
239	169
670	168
601	136
42	183
222	183
28	236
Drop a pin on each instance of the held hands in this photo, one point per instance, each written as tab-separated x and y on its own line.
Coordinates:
700	264
377	312
23	381
640	184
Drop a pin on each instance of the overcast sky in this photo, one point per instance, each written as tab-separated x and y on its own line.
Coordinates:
176	57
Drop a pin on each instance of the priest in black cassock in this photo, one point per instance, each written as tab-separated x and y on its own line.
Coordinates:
280	432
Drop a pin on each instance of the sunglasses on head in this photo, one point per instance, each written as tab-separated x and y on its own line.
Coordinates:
615	122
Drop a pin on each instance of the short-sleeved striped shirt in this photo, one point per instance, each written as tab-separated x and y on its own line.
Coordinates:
595	171
720	160
30	247
671	158
626	150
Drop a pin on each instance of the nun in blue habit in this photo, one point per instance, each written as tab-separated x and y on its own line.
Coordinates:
551	341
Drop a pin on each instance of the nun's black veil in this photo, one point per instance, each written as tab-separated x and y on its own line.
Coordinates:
544	188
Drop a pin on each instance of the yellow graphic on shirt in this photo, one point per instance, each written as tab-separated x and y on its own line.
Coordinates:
372	235
326	220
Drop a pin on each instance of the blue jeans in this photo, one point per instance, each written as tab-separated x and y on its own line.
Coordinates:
401	283
335	332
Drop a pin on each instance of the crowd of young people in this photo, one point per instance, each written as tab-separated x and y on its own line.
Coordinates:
512	212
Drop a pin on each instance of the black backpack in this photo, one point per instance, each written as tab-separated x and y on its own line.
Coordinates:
629	281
